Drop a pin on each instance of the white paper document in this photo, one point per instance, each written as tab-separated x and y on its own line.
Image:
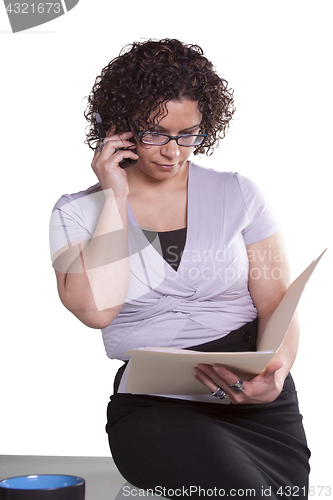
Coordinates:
171	371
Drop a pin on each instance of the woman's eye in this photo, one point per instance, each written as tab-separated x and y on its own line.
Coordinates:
153	137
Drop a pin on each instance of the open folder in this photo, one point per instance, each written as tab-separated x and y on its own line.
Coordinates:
171	371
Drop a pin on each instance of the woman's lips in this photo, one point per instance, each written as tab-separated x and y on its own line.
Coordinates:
166	167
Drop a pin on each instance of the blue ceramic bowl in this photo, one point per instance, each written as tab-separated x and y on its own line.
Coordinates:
43	486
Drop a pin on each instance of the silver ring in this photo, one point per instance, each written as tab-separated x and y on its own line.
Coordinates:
100	146
219	393
238	386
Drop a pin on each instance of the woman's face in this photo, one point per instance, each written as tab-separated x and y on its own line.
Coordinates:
163	162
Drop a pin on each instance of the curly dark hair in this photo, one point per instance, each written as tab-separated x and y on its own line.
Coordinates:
145	76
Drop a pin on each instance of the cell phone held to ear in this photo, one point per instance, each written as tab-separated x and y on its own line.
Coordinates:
126	162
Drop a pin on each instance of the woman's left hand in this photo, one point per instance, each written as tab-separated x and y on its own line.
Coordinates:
264	388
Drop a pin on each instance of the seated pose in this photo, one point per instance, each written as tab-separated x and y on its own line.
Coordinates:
162	252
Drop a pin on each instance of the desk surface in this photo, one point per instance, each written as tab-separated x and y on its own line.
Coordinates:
103	481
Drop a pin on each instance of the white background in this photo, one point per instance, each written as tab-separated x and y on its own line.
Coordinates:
55	376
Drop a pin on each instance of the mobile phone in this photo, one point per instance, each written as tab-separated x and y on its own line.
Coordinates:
126	162
101	130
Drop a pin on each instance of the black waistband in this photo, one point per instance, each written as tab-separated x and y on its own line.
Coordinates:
243	339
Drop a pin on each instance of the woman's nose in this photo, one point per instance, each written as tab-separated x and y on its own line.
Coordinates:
171	149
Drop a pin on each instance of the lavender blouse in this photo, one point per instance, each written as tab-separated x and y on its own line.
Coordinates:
207	296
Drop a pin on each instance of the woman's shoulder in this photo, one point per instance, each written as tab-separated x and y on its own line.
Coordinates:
228	178
213	172
79	195
237	189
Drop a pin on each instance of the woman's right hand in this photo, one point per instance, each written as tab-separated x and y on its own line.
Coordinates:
105	163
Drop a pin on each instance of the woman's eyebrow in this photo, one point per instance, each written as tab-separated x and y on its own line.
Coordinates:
185	130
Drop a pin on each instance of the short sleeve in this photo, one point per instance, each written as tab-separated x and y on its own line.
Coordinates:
263	221
66	225
74	218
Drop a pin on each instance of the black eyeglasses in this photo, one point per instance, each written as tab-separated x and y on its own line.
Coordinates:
158	139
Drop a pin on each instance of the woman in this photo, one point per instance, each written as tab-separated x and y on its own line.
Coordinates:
209	281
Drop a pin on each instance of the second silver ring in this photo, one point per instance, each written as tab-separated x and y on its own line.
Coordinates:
219	393
238	386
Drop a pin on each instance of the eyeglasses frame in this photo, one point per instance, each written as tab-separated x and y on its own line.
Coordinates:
171	138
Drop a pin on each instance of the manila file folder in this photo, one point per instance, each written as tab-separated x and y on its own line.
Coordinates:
171	371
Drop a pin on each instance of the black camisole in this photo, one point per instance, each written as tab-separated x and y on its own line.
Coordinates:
172	244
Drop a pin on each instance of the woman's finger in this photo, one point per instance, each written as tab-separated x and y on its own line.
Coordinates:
220	375
115	138
230	379
99	164
205	379
261	389
210	379
110	150
115	143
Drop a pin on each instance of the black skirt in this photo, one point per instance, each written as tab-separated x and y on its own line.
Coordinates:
190	449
